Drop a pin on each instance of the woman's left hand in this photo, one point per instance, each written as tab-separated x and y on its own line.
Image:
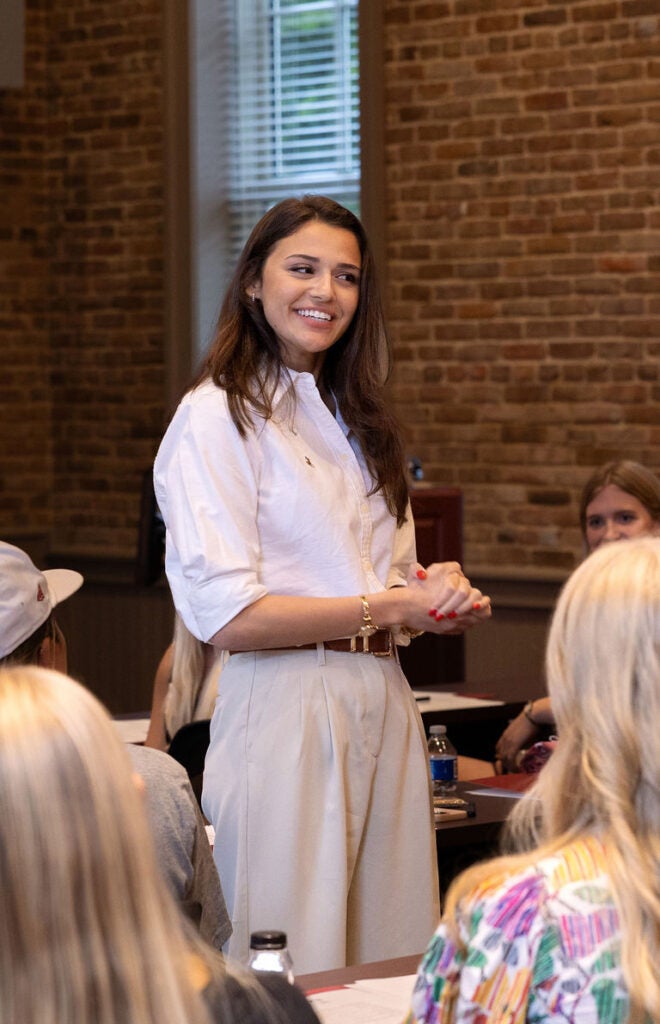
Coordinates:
453	604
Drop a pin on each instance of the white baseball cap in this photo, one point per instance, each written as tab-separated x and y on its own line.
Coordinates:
28	596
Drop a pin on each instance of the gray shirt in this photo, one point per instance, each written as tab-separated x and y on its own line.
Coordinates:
181	842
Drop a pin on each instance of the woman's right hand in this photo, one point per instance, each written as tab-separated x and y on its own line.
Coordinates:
517	735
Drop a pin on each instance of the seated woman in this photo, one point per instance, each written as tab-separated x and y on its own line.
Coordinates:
567	927
620	500
185	686
88	930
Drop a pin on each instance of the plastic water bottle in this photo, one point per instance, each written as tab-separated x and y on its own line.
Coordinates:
269	953
443	761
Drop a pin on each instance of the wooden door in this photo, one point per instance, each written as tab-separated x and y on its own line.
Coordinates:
438	515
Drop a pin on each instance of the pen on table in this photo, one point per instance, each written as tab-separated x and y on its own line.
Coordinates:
422	698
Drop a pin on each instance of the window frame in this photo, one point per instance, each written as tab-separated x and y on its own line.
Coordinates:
194	156
260	172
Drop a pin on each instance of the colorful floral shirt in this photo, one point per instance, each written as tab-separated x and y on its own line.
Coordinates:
540	945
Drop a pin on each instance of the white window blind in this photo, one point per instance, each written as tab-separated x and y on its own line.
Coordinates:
291	107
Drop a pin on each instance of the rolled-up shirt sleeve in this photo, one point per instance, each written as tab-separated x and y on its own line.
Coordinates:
205	479
404	552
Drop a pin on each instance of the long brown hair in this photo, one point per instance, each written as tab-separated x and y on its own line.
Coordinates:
245	358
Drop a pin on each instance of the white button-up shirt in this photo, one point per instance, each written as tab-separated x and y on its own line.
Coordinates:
285	510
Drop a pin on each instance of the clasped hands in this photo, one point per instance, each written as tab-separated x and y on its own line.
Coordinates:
444	599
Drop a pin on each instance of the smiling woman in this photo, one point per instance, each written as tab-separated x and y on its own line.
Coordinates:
308	300
290	544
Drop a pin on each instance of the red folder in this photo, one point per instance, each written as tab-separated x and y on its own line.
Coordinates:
516	781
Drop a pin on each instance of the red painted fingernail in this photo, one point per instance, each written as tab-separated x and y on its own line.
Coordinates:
421	574
452	615
439	616
476	606
432	612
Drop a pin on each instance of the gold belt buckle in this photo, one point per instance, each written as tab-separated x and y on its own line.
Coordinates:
390	648
367	650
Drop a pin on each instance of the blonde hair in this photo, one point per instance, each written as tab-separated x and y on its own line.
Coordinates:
192	688
603	670
88	931
186	677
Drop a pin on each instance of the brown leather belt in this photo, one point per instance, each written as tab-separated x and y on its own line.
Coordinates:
380	643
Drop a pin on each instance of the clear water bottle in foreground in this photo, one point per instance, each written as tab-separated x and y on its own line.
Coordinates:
269	953
443	761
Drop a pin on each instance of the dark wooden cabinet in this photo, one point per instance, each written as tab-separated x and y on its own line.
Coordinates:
438	515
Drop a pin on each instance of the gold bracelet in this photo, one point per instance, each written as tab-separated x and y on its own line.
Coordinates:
368	627
412	633
527	712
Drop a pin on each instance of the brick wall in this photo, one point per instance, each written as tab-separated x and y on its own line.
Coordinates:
26	463
523	187
84	252
523	198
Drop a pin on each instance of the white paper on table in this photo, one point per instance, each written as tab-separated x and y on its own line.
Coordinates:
428	700
370	1001
132	730
399	988
514	794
